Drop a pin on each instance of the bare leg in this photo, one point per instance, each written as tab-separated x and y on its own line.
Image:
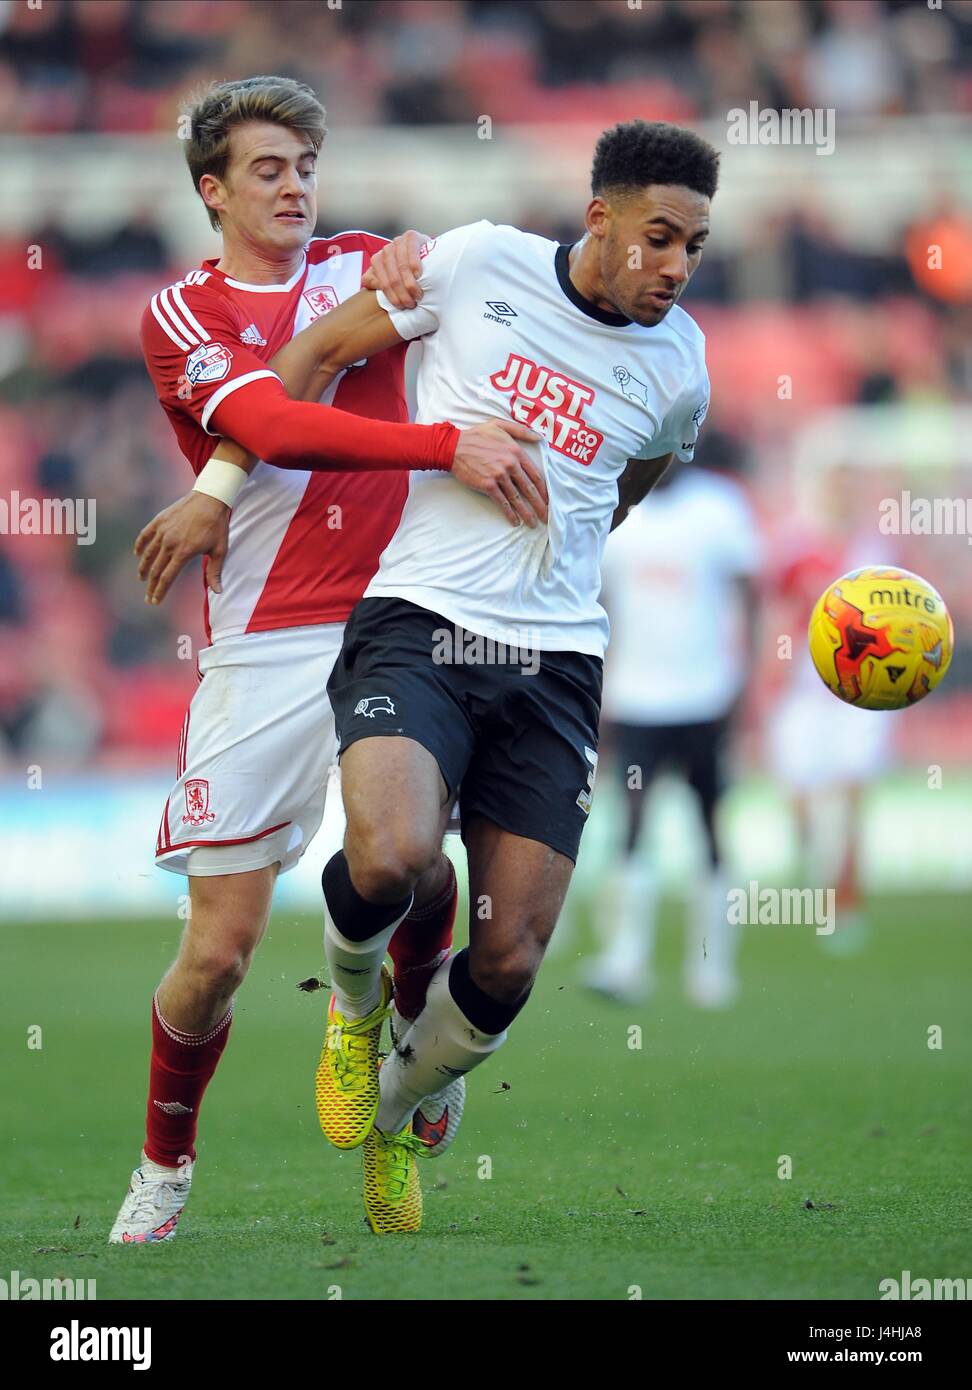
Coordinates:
192	1009
848	887
229	914
517	888
627	908
396	804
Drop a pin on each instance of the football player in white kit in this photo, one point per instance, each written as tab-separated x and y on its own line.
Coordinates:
680	594
307	528
473	662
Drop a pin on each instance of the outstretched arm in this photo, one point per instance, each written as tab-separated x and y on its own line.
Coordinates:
487	457
198	524
394	270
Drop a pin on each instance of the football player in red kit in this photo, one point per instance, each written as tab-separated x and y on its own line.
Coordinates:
308	525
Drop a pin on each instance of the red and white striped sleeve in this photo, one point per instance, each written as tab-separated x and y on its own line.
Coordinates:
191	344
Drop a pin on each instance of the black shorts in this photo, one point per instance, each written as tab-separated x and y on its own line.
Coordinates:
517	737
694	750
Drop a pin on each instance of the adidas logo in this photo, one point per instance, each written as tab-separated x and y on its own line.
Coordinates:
253	336
173	1107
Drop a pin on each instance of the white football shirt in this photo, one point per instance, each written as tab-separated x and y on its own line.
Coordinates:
677	648
506	334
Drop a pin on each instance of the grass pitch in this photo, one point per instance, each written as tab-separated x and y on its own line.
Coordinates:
612	1167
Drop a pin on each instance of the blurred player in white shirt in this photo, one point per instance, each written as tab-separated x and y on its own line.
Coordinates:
678	586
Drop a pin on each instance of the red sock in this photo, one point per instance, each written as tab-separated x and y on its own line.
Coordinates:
182	1065
420	945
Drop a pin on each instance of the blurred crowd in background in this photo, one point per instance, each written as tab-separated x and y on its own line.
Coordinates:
86	670
120	65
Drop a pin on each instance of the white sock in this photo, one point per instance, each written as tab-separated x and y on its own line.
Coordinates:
440	1045
355	966
627	916
399	1024
712	941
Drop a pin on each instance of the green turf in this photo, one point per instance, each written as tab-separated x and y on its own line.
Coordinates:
611	1167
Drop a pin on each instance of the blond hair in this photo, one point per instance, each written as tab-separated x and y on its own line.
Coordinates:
215	112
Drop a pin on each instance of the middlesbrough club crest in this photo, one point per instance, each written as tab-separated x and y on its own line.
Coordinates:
197	802
321	299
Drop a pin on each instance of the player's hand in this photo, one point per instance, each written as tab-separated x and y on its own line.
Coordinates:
195	525
488	460
395	270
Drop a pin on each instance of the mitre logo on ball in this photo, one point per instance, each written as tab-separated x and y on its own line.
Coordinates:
881	638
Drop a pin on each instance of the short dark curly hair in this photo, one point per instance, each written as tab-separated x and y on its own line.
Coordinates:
637	153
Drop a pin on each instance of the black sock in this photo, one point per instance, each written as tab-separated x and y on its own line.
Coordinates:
484	1012
355	917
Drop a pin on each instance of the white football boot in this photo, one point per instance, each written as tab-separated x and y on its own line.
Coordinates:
436	1120
154	1203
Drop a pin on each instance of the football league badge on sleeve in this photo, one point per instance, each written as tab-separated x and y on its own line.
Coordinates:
208	363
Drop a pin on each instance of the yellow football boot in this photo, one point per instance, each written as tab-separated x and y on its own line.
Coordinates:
346	1087
392	1191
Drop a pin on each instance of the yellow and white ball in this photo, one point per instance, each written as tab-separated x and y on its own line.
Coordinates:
881	638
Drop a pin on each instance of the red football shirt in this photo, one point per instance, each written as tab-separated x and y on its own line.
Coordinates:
302	544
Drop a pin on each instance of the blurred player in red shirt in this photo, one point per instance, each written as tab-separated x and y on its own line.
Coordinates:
824	753
308	525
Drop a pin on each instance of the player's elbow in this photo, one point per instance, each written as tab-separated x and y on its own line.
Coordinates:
280	454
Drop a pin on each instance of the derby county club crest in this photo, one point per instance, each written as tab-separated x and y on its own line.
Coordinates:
197	802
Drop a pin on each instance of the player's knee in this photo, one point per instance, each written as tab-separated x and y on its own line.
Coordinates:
220	967
506	976
386	862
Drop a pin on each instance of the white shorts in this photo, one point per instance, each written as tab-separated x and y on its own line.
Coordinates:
817	741
254	753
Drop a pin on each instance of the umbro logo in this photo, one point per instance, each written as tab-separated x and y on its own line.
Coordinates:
253	336
499	311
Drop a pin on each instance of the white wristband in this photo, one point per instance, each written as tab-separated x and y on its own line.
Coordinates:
221	480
